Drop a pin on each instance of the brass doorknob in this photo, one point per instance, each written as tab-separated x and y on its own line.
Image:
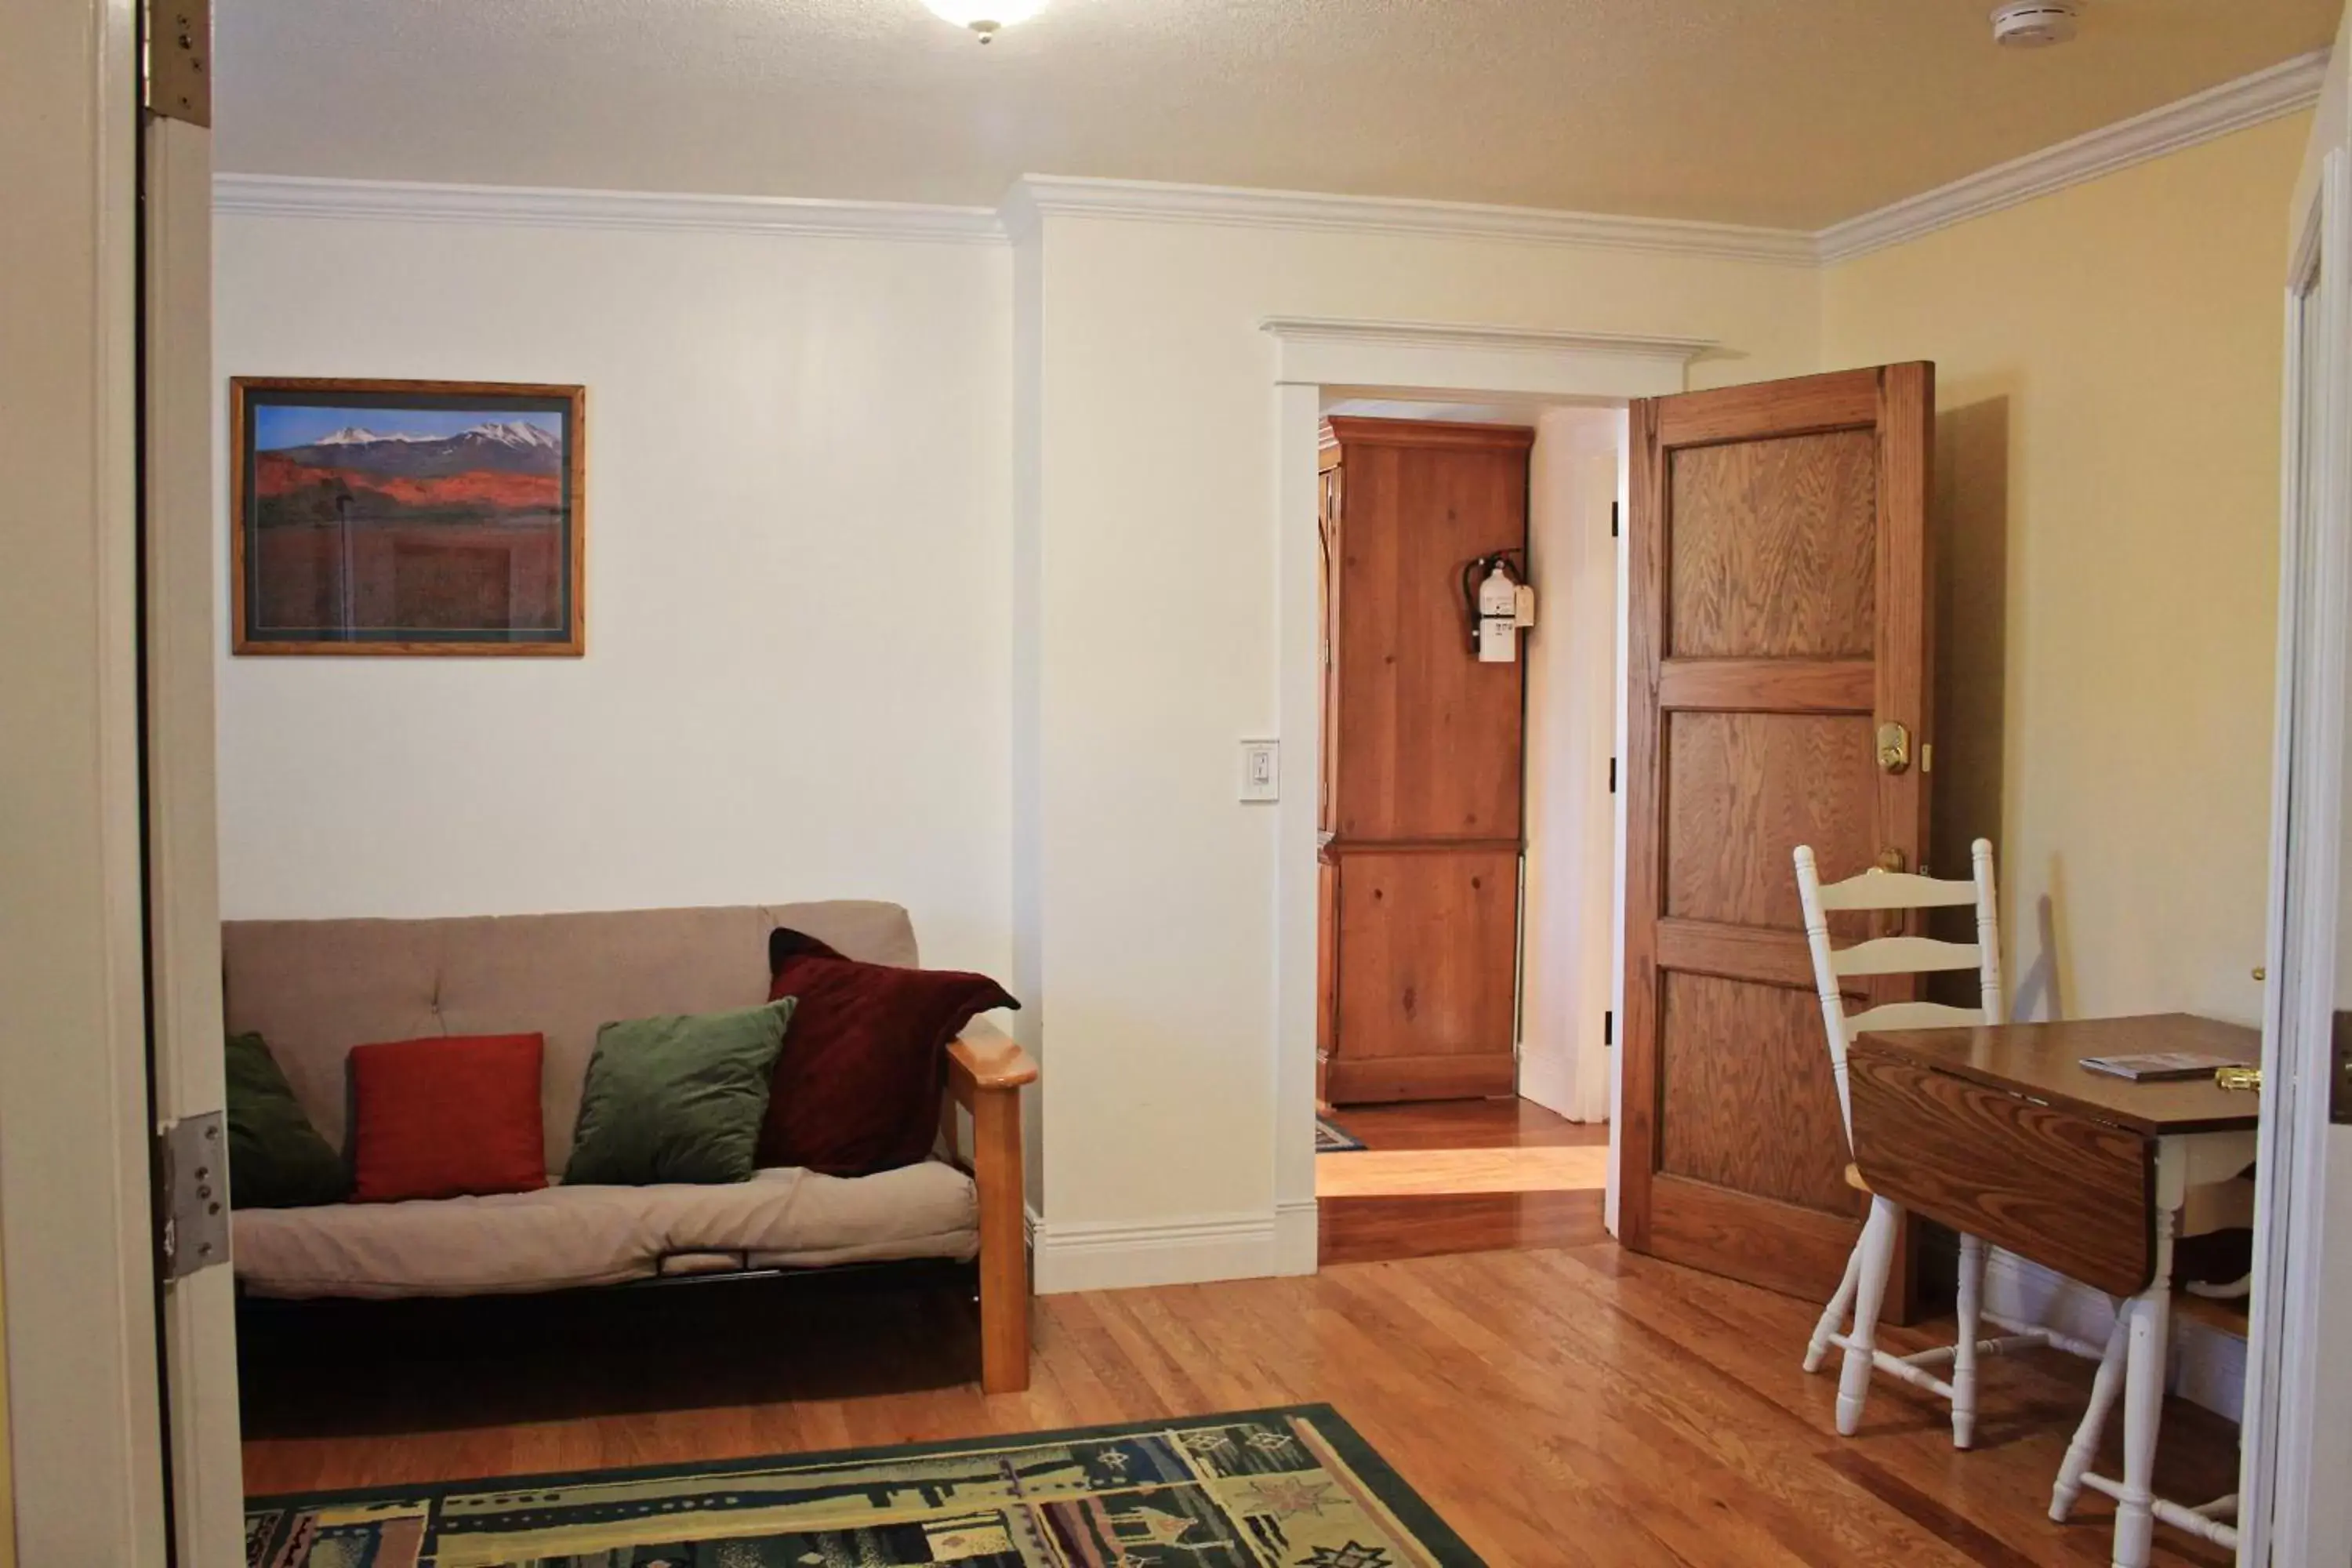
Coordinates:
2239	1081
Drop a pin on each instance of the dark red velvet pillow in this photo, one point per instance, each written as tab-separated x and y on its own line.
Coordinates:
446	1117
857	1087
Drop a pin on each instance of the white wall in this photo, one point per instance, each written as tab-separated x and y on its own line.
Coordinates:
799	669
1567	953
1164	594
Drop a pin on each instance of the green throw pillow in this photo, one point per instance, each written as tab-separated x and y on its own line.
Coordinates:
676	1100
275	1158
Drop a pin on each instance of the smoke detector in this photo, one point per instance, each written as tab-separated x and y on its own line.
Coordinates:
2033	24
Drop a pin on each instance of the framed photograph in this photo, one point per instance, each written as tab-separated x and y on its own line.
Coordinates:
407	517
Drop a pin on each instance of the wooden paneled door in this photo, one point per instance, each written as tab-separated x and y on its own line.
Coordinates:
1779	693
1420	803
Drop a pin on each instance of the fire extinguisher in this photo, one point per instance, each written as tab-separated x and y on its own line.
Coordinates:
1501	603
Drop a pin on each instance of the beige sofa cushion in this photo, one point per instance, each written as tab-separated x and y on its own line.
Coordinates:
563	1237
314	989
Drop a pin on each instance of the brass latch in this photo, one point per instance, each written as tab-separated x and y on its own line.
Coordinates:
1894	748
2239	1081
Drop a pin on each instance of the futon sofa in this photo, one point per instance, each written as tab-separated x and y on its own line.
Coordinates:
314	989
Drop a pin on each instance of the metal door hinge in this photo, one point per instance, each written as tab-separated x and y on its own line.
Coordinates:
1613	519
1609	1028
176	72
192	1194
1612	775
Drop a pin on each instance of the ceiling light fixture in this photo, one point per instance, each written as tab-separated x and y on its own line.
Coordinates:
2033	24
985	16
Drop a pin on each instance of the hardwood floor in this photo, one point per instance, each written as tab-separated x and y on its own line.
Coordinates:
1409	1173
1374	1230
1357	1229
1466	1124
1559	1407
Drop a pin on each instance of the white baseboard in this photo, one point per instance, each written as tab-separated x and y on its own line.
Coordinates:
2207	1366
1297	1236
1118	1255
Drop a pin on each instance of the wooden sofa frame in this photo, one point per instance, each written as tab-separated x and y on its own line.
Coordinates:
985	1074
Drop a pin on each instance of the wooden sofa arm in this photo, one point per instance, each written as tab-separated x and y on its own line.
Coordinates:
981	1059
986	1069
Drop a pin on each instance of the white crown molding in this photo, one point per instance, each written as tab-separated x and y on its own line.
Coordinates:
279	196
1060	196
2283	89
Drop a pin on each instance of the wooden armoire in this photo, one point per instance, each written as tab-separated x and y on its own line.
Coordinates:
1421	820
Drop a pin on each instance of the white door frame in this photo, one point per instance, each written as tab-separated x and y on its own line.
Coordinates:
182	848
111	928
2298	1411
1411	361
76	1243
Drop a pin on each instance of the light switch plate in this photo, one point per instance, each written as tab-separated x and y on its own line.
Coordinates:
1261	770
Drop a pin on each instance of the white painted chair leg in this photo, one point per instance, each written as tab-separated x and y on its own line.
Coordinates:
1833	1315
1875	1259
2092	1428
2151	1332
1964	1350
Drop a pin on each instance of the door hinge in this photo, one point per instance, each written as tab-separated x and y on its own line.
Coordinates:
1612	775
177	64
192	1194
1609	1027
1613	519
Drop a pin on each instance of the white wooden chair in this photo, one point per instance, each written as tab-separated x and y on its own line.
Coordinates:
1867	1267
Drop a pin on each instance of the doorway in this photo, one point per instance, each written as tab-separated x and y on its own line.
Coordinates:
1462	1081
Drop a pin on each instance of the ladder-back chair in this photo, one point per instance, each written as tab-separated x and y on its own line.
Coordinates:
1866	1269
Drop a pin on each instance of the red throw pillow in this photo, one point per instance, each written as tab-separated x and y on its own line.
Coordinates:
446	1117
857	1087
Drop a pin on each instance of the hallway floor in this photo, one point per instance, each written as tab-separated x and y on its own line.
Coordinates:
1450	1176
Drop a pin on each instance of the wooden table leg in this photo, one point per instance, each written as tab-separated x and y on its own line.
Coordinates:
1964	1347
2151	1336
2093	1429
2145	1329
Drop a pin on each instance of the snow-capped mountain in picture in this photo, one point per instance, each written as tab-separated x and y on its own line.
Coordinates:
498	445
412	514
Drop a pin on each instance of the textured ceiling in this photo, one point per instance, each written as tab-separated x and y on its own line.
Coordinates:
1795	112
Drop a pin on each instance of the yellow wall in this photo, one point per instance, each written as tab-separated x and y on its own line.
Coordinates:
2108	439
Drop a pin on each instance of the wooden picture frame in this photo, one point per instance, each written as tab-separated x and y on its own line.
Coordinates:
376	517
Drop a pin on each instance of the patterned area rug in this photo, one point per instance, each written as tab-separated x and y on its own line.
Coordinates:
1330	1138
1274	1489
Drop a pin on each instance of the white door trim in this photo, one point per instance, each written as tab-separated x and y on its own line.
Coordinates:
1409	360
77	1242
2298	1426
183	858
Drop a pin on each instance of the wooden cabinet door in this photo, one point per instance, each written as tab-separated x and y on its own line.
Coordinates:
1779	599
1422	748
1427	981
